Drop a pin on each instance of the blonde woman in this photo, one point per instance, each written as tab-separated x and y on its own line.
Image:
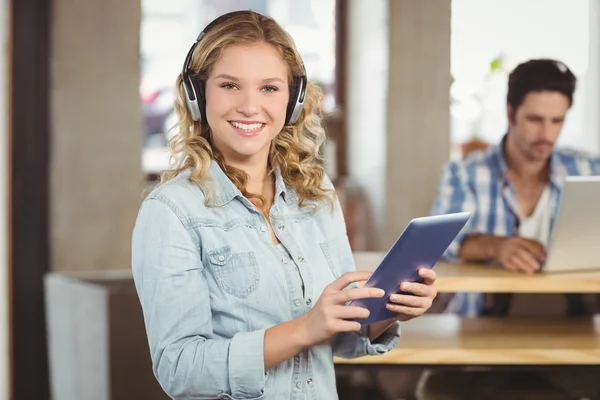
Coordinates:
240	256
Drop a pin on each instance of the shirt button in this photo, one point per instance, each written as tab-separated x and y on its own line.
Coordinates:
299	384
308	302
221	258
297	303
284	260
300	258
281	227
309	381
263	228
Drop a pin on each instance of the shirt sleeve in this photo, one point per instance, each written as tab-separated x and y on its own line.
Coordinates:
356	344
455	195
189	360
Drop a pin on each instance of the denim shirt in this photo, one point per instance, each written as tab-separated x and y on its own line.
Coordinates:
211	281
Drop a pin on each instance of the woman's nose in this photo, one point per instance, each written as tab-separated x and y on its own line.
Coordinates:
248	104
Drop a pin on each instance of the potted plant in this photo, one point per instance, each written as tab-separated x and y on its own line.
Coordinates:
475	142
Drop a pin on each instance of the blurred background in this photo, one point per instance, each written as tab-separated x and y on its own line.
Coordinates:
86	93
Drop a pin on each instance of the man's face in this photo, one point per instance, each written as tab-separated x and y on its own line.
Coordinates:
537	122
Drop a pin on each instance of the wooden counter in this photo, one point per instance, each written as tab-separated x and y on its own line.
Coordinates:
451	340
489	279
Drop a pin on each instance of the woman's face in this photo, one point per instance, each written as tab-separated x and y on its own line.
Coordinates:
246	98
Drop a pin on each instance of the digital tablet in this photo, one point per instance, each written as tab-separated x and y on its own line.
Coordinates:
421	244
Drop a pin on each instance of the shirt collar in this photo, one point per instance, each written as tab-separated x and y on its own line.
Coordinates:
223	190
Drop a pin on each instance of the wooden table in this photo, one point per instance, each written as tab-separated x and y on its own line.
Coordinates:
488	279
451	340
443	339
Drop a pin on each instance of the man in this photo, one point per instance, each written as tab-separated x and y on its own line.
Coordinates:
513	192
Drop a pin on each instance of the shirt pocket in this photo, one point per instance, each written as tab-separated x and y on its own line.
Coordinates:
236	273
331	251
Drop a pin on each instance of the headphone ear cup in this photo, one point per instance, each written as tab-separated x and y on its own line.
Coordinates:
291	101
200	87
191	98
296	102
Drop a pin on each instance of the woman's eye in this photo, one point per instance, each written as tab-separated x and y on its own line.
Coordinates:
270	89
229	86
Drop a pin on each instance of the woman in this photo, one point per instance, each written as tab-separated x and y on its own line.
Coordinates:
240	256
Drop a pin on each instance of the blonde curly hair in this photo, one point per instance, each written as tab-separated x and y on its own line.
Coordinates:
295	151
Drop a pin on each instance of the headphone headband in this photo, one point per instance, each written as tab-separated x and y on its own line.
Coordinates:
194	87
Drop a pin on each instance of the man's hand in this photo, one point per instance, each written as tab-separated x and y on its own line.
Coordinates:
520	254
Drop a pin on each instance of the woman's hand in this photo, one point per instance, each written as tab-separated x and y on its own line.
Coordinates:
330	316
408	306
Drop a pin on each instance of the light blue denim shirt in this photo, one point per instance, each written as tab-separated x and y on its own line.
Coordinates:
211	281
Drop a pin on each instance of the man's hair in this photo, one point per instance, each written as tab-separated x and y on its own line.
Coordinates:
540	75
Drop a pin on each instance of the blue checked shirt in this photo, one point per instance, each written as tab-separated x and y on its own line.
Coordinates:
479	184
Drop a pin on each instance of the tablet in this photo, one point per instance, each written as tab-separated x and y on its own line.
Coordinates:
421	244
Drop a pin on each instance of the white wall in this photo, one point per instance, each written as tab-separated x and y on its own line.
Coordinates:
368	48
4	60
592	101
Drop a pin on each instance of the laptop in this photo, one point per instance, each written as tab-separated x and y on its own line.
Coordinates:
575	239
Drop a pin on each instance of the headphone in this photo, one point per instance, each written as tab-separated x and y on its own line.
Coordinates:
195	88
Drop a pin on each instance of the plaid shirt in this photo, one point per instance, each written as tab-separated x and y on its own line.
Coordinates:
479	184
